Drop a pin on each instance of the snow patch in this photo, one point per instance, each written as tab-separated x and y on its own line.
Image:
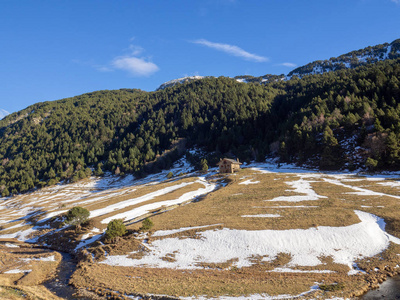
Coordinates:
49	258
390	183
302	187
289	270
16	271
344	244
179	80
247	182
87	241
262	216
11	245
359	191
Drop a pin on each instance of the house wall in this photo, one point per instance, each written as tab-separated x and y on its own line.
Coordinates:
228	167
225	168
235	167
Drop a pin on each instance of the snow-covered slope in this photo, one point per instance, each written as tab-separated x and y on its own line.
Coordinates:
262	79
178	81
350	60
3	113
344	244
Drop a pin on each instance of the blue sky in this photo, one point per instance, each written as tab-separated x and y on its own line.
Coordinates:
56	49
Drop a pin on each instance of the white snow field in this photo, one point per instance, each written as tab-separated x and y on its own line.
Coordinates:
343	244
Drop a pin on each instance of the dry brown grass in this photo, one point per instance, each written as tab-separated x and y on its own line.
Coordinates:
226	206
13	258
186	283
26	285
229	204
376	186
39	292
8	293
210	282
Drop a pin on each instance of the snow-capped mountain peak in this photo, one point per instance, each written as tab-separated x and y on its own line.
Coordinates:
178	81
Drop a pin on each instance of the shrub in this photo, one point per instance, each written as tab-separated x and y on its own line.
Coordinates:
5	193
52	181
77	216
371	164
170	175
332	287
147	224
115	228
204	165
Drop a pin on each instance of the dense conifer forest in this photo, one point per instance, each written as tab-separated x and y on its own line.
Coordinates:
348	118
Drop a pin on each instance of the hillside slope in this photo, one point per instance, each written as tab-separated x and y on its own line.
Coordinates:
342	119
263	231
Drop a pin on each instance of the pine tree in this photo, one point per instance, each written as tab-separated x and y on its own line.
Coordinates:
204	165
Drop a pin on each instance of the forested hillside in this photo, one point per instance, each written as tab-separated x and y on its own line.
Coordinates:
347	118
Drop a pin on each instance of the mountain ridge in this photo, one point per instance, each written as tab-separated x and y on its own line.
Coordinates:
350	60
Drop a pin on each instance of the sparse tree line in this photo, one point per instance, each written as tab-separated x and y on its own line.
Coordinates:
78	216
125	131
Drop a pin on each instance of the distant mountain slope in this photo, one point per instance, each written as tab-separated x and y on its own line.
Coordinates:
261	79
3	113
350	60
178	81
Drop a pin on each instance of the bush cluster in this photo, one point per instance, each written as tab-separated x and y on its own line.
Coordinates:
115	228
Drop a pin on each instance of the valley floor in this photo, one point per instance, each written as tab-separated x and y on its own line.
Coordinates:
262	233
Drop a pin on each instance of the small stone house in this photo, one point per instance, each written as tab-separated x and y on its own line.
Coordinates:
228	165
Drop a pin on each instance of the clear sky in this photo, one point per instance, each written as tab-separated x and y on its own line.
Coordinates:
51	50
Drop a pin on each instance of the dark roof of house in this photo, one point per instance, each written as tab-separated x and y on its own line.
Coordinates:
229	160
